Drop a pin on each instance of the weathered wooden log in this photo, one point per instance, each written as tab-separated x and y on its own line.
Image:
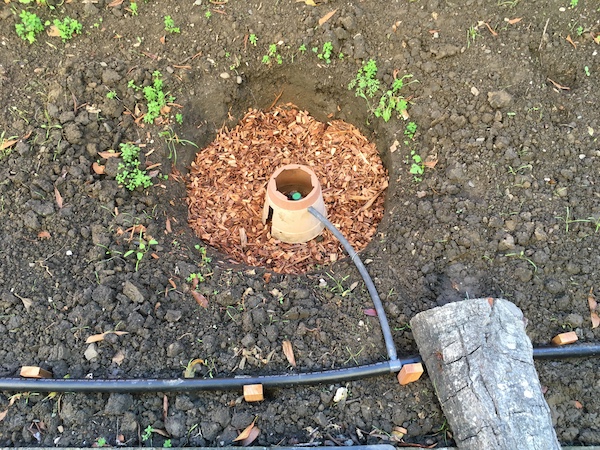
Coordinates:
481	364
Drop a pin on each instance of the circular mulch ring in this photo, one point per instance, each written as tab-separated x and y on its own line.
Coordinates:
227	185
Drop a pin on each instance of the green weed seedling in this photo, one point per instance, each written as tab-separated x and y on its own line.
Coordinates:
170	25
392	101
417	168
129	173
365	84
67	27
6	144
472	34
410	130
172	139
272	53
207	14
143	248
133	8
302	49
197	276
156	98
325	54
253	39
29	27
202	250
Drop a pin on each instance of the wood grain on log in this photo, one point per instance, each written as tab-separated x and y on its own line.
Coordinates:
481	364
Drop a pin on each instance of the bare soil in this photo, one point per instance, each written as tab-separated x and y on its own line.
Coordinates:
505	104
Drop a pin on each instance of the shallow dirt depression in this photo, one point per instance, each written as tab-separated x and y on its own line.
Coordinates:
227	185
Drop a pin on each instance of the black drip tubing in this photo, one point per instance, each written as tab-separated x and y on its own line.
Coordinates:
385	327
237	383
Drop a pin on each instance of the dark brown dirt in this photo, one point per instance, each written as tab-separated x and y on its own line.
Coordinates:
511	209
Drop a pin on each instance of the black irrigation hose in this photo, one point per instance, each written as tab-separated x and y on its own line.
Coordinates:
385	327
269	381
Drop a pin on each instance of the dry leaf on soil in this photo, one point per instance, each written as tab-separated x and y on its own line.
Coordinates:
189	371
246	433
98	169
200	299
595	319
308	2
592	301
6	144
251	437
53	31
515	20
109	154
44	235
101	336
288	351
327	16
59	199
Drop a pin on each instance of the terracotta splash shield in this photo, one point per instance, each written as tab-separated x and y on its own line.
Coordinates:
290	220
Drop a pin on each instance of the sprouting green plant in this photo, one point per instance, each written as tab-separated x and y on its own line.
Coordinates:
208	14
202	250
410	130
325	54
579	30
143	248
194	276
172	140
392	101
67	27
133	7
573	3
129	172
417	168
341	56
586	69
29	27
167	444
365	84
100	442
521	255
111	95
302	49
472	34
147	434
6	144
339	287
170	25
179	118
253	39
156	98
272	53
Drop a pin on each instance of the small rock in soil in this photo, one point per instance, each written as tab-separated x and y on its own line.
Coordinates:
118	404
175	425
133	293
91	352
174	349
499	99
173	315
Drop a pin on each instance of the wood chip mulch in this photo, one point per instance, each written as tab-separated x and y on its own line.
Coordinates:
227	184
